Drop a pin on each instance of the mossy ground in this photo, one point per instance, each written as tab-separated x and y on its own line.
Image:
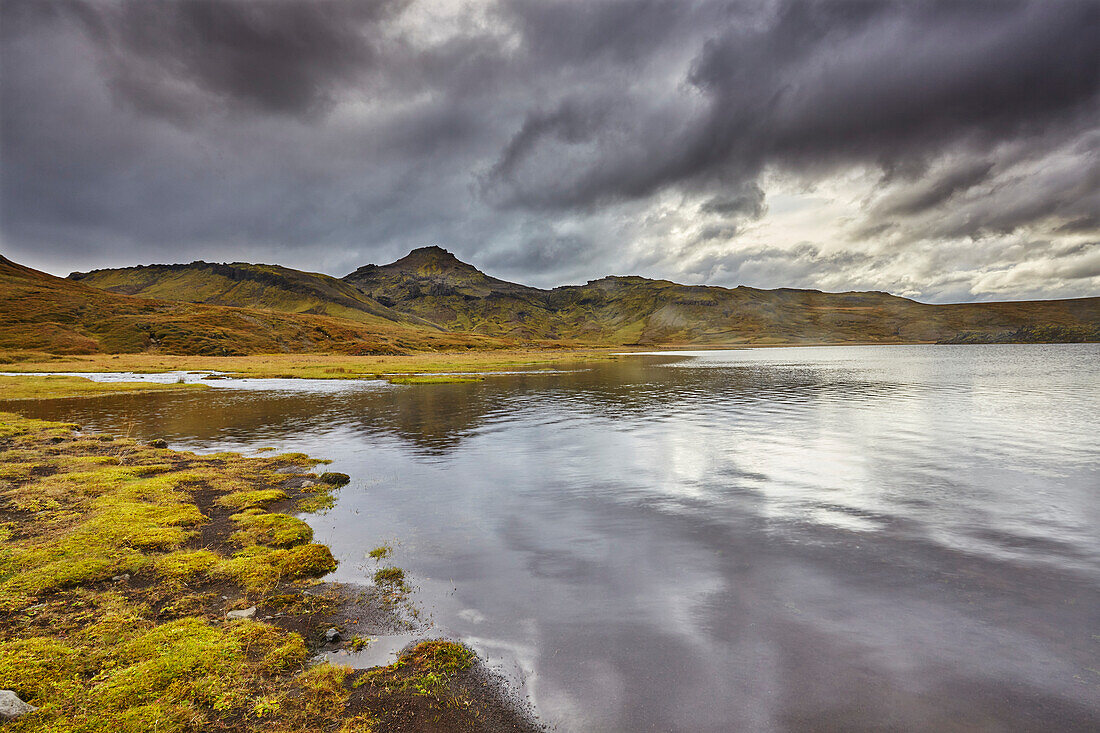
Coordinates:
118	564
38	387
311	366
433	379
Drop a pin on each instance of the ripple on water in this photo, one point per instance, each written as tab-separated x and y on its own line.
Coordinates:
765	539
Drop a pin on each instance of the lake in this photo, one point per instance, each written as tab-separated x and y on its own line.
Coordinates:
787	539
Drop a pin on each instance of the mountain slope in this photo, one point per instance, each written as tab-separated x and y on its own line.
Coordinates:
430	287
41	312
433	284
245	285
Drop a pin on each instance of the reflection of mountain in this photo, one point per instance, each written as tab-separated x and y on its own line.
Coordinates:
431	286
434	418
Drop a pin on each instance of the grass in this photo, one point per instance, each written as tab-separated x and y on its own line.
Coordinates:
389	576
273	530
433	379
44	313
252	498
95	654
54	386
426	670
119	562
314	366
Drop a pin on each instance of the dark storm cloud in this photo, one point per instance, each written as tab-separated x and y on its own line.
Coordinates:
816	85
552	140
934	192
277	56
748	203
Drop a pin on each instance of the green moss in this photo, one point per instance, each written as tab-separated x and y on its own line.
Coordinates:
39	667
253	498
154	653
300	459
317	503
185	565
359	643
275	530
122	515
147	678
334	478
426	670
322	692
259	569
175	659
389	576
33	387
380	553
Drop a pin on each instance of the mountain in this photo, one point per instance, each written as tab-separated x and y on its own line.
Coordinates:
433	284
40	312
248	286
431	288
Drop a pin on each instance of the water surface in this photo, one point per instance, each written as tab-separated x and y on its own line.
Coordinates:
849	538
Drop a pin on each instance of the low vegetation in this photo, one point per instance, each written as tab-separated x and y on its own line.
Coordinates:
1031	335
53	386
310	366
429	301
145	589
434	379
44	313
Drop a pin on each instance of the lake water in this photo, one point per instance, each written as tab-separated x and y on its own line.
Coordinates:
849	538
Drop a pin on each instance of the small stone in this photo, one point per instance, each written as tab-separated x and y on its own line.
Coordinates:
332	636
120	578
158	443
242	613
11	707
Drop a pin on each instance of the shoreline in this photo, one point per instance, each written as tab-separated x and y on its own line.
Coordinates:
163	587
311	366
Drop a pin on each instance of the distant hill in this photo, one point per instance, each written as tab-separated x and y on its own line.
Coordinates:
431	286
248	286
40	312
431	283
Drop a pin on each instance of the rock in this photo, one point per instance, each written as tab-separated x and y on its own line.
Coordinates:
243	613
120	578
333	478
332	636
158	443
11	707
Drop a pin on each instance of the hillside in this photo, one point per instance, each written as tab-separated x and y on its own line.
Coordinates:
433	284
431	288
40	312
248	286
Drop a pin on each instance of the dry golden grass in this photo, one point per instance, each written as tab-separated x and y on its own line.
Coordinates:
40	312
312	366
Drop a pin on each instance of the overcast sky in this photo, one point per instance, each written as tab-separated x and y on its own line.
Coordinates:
940	150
